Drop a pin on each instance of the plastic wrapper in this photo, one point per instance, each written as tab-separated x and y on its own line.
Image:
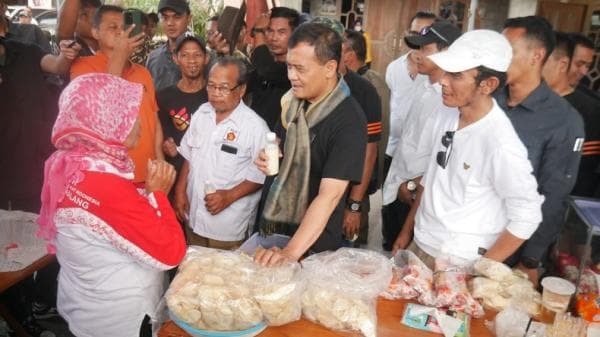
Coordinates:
514	322
342	288
450	282
504	289
493	270
226	291
278	292
411	278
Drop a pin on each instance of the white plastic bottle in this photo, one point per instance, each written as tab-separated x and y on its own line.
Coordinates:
272	152
209	187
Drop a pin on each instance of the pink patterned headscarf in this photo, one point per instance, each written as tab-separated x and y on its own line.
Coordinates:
96	114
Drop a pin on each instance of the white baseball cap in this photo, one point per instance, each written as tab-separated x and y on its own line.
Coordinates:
476	48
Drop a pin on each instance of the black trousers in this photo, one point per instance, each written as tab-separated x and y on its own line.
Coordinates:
392	215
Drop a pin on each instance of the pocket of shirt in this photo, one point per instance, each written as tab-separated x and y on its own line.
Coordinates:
231	159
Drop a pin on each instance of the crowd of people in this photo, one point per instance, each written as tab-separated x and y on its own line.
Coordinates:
476	140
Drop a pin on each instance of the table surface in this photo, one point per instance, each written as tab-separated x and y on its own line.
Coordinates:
8	279
389	314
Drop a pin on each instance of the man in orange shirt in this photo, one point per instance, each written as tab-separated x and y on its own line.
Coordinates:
116	46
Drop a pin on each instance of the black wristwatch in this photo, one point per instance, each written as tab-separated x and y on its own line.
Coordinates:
530	262
353	205
255	30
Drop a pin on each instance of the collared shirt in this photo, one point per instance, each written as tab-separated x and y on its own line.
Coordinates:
163	69
224	155
553	134
414	149
486	187
401	85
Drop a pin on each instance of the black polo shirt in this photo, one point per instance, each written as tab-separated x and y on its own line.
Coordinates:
29	108
337	150
551	130
367	97
268	82
589	109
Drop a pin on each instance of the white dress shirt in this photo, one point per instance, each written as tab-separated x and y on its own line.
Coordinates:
486	187
412	154
224	155
401	85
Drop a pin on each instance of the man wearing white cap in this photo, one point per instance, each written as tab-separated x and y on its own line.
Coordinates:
478	196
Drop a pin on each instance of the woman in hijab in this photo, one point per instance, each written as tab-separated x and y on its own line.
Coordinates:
113	241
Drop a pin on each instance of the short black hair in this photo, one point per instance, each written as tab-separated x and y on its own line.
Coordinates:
326	41
564	45
536	28
422	15
581	40
153	17
214	18
356	42
90	3
102	10
288	13
484	73
229	60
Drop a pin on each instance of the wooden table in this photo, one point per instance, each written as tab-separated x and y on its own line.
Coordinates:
389	314
9	279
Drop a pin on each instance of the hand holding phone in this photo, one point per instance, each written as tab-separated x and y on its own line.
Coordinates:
133	17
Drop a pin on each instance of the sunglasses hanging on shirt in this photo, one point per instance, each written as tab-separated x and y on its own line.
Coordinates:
444	156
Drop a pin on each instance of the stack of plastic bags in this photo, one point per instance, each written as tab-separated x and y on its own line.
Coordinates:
342	289
446	287
499	287
227	291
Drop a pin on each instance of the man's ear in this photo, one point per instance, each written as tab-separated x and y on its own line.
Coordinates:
489	85
96	33
563	64
538	55
331	69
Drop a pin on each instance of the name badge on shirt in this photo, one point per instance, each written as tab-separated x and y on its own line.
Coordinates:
231	135
229	149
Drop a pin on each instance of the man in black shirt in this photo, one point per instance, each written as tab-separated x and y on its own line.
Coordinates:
556	73
548	126
356	215
269	81
177	103
29	108
324	145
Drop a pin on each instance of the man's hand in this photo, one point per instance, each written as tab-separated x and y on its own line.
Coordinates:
169	147
181	206
261	162
404	194
402	241
262	21
351	224
160	177
220	43
125	45
218	201
69	49
532	274
273	257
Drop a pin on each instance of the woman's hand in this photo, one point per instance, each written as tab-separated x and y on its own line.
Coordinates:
160	176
